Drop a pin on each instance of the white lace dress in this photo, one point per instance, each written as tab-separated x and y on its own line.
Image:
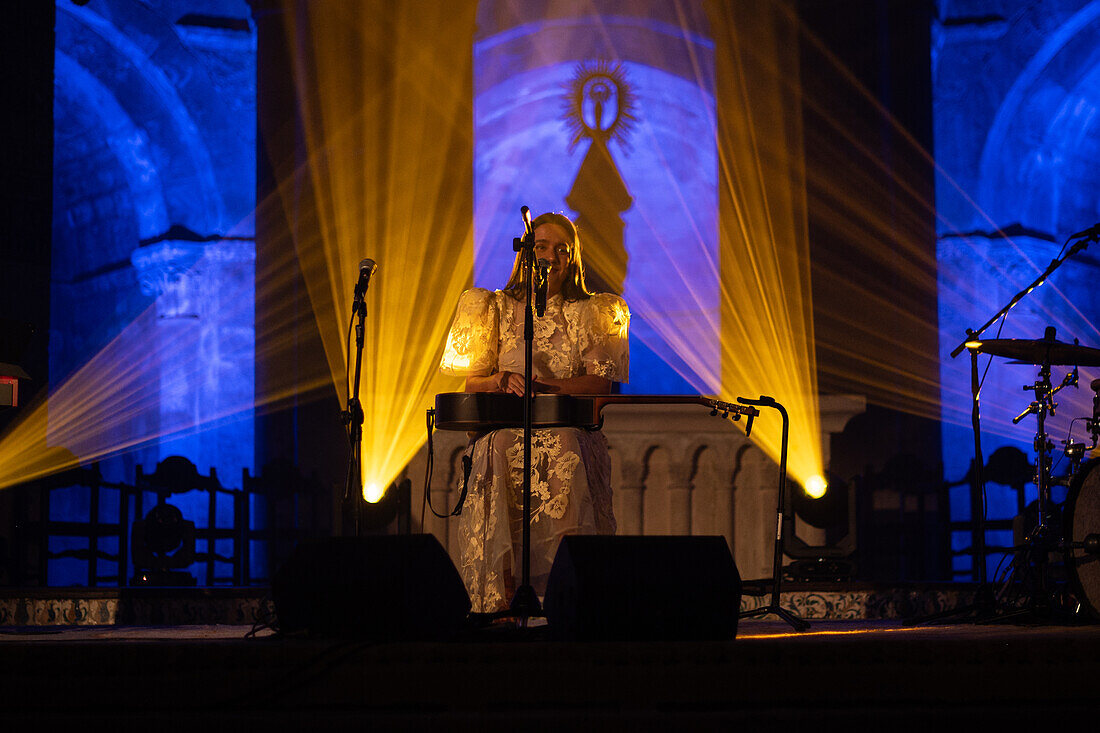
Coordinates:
571	469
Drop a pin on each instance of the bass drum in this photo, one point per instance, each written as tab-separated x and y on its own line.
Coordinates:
1082	518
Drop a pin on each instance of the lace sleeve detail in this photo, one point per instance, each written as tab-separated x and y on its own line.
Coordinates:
605	325
474	339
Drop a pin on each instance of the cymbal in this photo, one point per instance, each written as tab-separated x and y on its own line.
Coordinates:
1039	351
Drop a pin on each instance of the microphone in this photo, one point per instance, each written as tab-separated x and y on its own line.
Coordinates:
366	269
526	214
541	285
1089	233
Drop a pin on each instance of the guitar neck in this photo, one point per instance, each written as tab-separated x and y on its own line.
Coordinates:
647	399
489	411
600	401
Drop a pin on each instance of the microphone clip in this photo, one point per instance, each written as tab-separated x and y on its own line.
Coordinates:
542	282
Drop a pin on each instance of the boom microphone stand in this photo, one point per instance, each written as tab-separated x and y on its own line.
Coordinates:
353	415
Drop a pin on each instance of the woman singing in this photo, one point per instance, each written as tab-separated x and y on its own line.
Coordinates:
580	347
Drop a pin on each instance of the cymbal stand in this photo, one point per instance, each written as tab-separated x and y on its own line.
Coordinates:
1040	407
1041	538
1033	556
784	518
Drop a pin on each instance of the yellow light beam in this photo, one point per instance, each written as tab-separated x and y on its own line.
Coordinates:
113	402
386	118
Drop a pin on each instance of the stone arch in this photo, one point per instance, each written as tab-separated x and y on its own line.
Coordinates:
712	508
88	107
655	498
666	54
754	513
1038	162
153	105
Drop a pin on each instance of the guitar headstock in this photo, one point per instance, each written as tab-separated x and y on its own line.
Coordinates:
729	410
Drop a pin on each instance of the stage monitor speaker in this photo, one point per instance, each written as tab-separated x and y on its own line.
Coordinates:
635	588
396	587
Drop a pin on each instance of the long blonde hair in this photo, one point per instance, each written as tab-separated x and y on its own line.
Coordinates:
572	286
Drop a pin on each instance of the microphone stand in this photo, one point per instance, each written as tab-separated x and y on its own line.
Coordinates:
525	603
984	604
784	520
353	415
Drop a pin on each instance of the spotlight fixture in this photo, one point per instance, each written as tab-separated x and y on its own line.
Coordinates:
816	486
163	543
378	517
833	512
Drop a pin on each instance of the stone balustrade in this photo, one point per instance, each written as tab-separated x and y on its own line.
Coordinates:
676	470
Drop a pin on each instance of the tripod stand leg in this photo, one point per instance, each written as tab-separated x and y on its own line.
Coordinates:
796	622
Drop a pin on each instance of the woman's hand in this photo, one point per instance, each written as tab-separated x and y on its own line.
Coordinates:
506	382
510	383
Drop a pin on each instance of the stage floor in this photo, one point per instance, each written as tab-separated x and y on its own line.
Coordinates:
839	672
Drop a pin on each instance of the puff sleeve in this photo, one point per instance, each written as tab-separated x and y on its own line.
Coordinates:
474	338
604	331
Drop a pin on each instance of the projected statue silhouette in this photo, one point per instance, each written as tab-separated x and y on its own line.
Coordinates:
599	106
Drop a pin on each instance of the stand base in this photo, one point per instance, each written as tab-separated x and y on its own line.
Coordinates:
982	610
525	604
1054	607
797	623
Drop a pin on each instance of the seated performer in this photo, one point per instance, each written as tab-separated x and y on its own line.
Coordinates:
580	347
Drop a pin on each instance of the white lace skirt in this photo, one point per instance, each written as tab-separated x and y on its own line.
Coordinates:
570	494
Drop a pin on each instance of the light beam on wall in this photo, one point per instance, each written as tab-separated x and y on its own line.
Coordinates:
895	355
112	403
709	171
385	110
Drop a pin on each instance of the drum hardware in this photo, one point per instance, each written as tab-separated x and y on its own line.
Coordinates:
1035	567
1035	563
1056	563
1092	425
1076	451
1047	352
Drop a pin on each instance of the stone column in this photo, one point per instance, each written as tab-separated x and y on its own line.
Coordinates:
681	467
168	269
205	336
630	493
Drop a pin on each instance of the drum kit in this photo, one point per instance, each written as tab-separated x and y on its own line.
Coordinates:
1066	536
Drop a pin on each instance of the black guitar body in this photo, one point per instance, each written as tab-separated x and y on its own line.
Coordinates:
475	411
